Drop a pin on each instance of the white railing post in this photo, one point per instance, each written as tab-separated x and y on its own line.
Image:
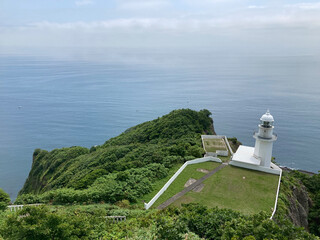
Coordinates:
227	142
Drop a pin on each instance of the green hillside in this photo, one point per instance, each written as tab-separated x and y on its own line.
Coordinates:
124	167
81	186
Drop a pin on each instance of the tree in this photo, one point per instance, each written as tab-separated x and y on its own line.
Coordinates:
4	200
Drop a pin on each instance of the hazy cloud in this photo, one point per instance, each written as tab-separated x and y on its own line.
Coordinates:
191	24
305	6
256	7
142	5
128	26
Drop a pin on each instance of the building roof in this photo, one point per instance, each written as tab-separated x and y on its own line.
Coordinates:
267	117
245	154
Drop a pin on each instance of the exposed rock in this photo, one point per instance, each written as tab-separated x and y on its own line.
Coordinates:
189	182
202	170
299	205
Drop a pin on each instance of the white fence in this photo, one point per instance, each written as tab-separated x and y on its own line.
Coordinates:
164	188
211	154
223	153
218	152
14	208
227	142
276	202
212	136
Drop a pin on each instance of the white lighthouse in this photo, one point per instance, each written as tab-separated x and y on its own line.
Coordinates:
264	140
259	157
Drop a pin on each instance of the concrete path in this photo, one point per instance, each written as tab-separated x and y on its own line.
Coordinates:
192	186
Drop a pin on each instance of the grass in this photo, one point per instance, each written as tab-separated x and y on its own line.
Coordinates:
159	184
212	145
228	189
189	172
225	159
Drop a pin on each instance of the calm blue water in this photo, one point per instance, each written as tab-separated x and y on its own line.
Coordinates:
85	98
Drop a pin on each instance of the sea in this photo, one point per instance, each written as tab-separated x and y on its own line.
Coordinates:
82	97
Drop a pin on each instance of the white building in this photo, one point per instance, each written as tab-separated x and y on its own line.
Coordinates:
259	157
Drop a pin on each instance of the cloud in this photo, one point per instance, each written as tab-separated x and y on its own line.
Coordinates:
305	6
142	5
256	7
296	21
187	24
84	2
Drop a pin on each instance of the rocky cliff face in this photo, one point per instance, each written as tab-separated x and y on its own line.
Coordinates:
299	205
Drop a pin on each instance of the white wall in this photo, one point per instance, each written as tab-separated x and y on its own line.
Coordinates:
275	171
228	145
212	136
222	153
218	152
276	202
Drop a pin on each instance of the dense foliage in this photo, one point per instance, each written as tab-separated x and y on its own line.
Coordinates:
191	222
130	184
4	200
39	223
122	168
225	224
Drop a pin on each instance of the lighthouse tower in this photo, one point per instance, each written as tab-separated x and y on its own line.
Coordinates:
259	157
264	140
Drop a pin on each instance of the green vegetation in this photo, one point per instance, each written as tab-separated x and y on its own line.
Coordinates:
130	184
225	159
157	185
212	145
239	189
234	143
189	172
4	200
312	184
132	167
125	167
192	221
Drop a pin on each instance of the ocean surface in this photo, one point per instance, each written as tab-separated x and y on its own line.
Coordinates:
61	99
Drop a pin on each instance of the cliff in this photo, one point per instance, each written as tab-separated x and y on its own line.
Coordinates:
299	206
297	199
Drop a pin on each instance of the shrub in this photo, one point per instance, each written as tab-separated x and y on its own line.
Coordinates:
40	223
4	200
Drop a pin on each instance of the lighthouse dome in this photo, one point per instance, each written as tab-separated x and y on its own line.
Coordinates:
267	117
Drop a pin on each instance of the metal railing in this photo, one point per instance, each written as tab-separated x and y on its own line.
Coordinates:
116	218
256	133
14	208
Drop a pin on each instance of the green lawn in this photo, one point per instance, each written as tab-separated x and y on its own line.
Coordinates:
178	185
228	189
212	145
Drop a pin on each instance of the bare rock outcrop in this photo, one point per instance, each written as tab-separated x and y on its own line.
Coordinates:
299	205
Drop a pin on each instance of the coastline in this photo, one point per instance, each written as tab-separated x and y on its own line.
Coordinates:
288	169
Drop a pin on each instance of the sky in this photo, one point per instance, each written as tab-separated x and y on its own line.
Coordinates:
275	24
